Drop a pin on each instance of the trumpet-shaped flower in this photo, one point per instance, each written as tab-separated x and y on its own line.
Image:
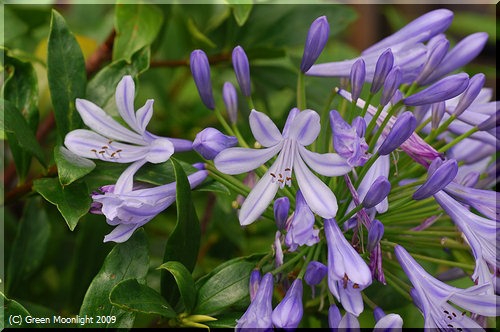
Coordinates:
348	140
110	141
301	129
301	231
433	296
258	314
289	311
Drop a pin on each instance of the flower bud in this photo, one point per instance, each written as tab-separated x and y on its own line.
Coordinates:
490	122
315	273
391	84
396	98
378	313
209	142
230	97
334	317
390	322
463	52
242	70
357	76
436	55
438	180
360	124
447	88
437	112
200	68
347	142
199	166
435	164
258	314
315	42
475	85
289	311
375	234
382	68
401	130
378	191
420	112
253	285
281	208
349	323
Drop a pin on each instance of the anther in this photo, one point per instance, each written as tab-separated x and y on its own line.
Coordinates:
119	150
109	142
272	174
101	152
104	147
450	318
458	328
288	178
280	180
280	175
287	169
450	325
346	278
356	286
454	314
93	150
113	154
446	312
463	313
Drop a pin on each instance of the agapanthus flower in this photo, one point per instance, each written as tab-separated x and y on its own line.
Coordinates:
485	201
281	209
210	142
129	209
441	173
301	231
289	311
315	273
347	141
253	284
433	297
258	314
110	141
300	130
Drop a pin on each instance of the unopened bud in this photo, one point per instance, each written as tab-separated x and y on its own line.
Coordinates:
382	68
200	68
401	130
281	209
242	70
469	95
378	191
438	180
209	142
357	76
447	88
437	112
391	84
230	97
315	42
375	234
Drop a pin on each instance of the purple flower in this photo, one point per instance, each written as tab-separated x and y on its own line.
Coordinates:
253	284
378	191
390	322
289	311
382	68
437	52
349	323
301	231
334	317
348	273
315	42
391	84
444	89
463	52
469	95
437	179
359	124
200	68
301	129
433	296
402	129
397	97
347	141
103	141
242	70
437	112
210	142
278	250
491	122
281	208
357	78
258	314
315	273
378	313
230	97
129	209
482	234
485	201
375	233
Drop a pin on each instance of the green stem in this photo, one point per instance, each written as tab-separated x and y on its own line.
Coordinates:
407	186
400	290
250	103
368	101
397	280
400	203
306	263
440	129
291	261
241	140
370	303
223	122
350	214
458	139
264	259
423	124
373	121
301	92
324	132
412	88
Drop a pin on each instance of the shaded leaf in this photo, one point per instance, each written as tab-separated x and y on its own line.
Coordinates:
73	201
241	10
71	167
137	25
30	244
12	308
184	281
198	35
127	260
66	74
183	243
14	26
130	295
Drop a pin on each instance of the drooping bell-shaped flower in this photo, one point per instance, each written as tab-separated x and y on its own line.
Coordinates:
289	311
301	231
200	69
446	88
433	297
347	141
242	70
375	234
348	273
253	285
300	130
402	129
378	191
390	322
315	42
438	179
357	78
315	273
258	314
210	142
382	68
110	141
129	209
230	97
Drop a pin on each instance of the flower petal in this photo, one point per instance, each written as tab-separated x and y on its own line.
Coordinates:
264	130
126	180
291	115
125	94
97	120
351	299
318	196
121	233
144	114
160	150
349	323
328	164
240	160
305	127
390	322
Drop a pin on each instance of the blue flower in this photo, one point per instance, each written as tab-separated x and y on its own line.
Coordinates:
258	314
301	231
289	311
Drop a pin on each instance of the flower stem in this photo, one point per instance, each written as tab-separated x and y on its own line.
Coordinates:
370	303
393	284
440	129
223	122
250	103
291	261
306	263
324	134
458	139
350	214
237	133
368	100
423	124
301	92
391	111
373	122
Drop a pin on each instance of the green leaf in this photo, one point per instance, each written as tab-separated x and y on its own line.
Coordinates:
14	26
10	309
184	281
18	131
71	167
198	35
103	85
127	260
29	246
137	25
184	242
130	295
224	288
66	74
73	201
21	89
241	10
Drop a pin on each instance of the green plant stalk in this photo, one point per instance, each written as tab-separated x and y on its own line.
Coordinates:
406	186
369	302
423	124
440	129
306	263
396	287
323	134
373	121
400	203
301	91
368	101
350	214
390	230
429	242
405	217
223	121
397	280
458	140
241	140
291	261
250	103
